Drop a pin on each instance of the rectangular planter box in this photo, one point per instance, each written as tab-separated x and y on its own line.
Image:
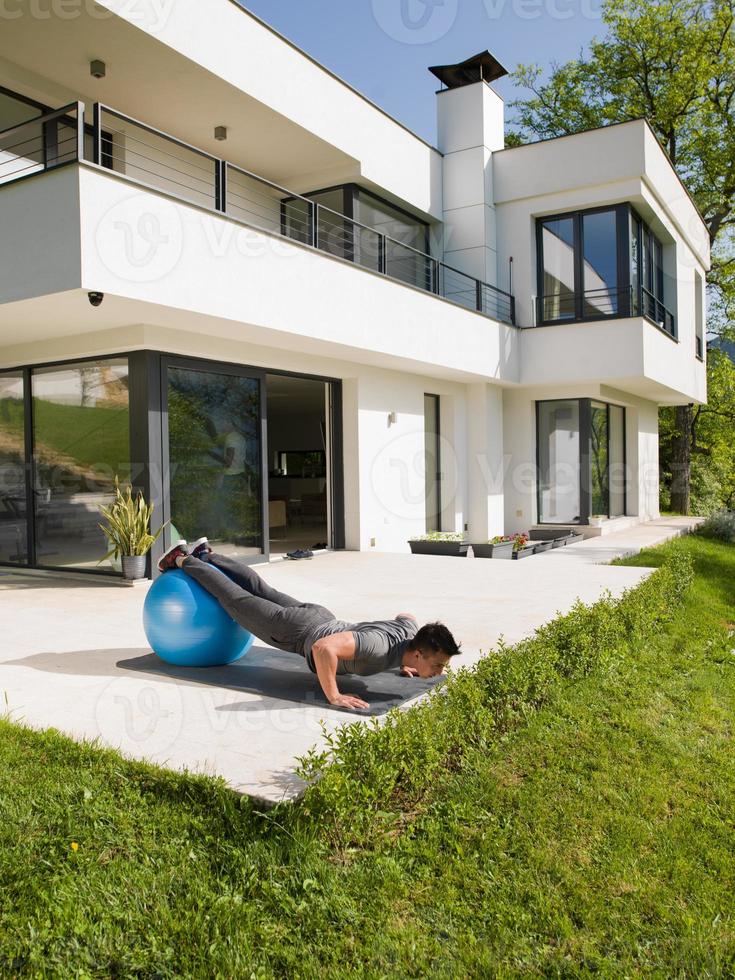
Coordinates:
455	549
543	546
526	552
502	550
561	541
575	538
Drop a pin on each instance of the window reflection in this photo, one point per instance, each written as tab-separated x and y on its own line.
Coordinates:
600	264
81	437
558	265
214	459
13	506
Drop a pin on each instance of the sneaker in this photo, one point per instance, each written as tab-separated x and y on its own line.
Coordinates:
200	548
299	553
167	561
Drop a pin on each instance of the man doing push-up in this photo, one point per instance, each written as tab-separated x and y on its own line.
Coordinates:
330	646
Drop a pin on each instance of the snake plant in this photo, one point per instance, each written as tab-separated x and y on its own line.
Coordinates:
128	524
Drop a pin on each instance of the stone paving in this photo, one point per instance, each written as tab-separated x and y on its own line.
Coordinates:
67	642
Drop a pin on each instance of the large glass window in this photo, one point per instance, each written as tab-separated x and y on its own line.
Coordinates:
557	262
13	500
599	461
81	444
581	459
432	462
215	459
617	473
600	263
559	462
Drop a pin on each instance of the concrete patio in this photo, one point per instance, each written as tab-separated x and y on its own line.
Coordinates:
66	643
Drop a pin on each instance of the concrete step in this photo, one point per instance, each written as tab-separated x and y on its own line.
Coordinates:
610	526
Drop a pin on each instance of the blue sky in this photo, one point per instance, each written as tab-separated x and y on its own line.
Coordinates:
383	47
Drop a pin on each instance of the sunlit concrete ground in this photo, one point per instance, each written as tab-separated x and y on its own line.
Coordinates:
64	640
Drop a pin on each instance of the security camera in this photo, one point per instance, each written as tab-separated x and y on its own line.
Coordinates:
95	298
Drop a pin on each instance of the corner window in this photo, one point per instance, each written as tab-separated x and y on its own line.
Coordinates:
583	272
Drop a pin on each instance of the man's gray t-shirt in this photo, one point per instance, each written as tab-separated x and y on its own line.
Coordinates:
379	645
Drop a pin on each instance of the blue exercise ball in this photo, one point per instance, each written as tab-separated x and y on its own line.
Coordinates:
186	626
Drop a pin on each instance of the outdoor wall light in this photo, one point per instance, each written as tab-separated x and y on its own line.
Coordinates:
220	133
97	69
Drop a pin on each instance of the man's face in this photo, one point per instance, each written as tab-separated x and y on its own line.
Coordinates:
431	664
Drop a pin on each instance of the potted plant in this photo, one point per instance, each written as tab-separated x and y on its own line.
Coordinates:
128	529
501	546
440	543
523	547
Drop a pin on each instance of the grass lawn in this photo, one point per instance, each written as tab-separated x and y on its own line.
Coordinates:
598	837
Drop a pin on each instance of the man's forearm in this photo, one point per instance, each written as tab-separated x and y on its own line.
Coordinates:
325	661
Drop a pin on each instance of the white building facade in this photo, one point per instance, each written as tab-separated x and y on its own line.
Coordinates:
228	278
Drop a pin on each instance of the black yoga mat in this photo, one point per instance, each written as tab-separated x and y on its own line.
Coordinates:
285	677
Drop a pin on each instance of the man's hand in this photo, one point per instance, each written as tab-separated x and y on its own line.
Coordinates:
349	701
409	672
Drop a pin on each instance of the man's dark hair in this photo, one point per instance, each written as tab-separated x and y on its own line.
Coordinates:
435	638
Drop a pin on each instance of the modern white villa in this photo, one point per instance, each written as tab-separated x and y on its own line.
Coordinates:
229	278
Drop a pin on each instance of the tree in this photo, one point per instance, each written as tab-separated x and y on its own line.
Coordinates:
672	62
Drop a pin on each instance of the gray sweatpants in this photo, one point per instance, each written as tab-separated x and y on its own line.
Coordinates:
272	616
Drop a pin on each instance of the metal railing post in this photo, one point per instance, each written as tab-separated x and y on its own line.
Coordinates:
220	185
382	255
97	134
80	130
478	295
314	223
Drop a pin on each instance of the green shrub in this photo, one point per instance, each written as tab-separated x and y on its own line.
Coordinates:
369	772
720	525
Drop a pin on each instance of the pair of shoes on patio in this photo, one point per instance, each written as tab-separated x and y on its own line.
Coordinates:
299	554
199	549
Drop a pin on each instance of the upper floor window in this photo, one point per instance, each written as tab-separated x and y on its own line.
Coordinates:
604	262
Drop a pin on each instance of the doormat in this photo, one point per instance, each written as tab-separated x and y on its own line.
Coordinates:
285	677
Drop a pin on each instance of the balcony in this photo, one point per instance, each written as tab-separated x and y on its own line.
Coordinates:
159	162
604	304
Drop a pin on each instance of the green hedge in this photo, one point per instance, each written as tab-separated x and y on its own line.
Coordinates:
367	771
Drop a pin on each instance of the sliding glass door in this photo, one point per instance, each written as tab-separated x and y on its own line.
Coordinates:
558	462
581	460
214	452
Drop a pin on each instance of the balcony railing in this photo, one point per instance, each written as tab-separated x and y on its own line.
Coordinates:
42	143
603	304
155	159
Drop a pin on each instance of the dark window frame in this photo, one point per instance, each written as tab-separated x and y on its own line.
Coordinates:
27	372
621	256
585	458
146	403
